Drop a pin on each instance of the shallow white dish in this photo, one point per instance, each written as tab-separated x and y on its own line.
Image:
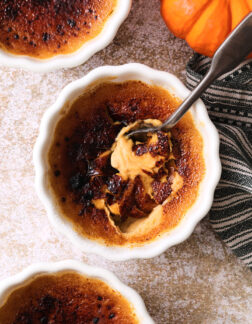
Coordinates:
78	57
9	285
209	134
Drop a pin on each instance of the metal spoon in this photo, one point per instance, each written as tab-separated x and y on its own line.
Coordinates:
229	55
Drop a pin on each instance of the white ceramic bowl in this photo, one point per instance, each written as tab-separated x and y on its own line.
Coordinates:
9	285
211	156
78	57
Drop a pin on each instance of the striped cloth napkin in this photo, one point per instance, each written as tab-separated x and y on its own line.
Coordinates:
229	103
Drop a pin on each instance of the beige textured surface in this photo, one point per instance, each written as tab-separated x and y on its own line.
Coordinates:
199	281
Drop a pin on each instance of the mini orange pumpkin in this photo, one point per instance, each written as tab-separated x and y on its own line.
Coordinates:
204	24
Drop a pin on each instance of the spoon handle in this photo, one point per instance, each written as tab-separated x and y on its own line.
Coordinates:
229	55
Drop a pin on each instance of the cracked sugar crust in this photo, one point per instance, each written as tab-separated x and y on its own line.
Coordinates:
199	281
43	29
85	179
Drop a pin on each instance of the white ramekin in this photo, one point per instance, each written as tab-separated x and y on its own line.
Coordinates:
209	134
7	286
78	57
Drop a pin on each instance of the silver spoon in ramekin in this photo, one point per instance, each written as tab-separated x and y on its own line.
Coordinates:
229	55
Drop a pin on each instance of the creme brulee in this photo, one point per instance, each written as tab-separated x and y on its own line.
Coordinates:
115	190
43	29
66	297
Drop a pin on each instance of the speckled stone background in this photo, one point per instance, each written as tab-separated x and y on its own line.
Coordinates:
199	281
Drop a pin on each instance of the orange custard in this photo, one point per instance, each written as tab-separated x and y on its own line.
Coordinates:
112	189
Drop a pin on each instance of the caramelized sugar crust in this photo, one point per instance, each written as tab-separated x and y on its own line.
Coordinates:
45	28
80	172
66	297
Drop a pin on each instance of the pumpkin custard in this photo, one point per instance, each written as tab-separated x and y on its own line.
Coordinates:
45	28
66	297
112	189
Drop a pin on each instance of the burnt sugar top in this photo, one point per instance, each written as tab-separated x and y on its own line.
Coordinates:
66	297
45	28
112	189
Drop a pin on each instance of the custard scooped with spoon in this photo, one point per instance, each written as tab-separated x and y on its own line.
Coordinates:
140	207
88	193
112	188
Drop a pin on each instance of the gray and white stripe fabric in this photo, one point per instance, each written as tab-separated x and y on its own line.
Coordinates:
229	103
